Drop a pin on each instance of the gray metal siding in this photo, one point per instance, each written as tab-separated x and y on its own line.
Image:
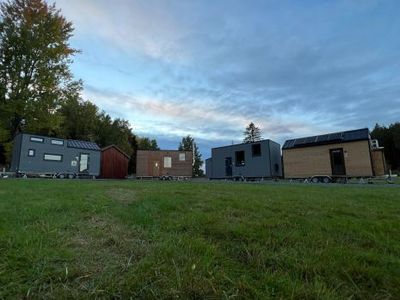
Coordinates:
16	153
255	166
276	159
209	167
37	164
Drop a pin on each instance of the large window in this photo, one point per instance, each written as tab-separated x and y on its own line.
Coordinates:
256	149
167	162
83	162
36	139
239	158
57	142
52	157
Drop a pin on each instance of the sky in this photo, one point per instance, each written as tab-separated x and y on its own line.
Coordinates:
210	67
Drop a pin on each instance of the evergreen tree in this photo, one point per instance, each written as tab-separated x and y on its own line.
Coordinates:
188	144
252	134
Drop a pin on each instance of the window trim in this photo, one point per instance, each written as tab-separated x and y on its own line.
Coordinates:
242	163
36	139
57	142
252	150
182	154
170	162
34	152
53	160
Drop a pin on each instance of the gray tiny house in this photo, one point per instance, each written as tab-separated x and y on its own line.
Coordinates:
34	154
254	160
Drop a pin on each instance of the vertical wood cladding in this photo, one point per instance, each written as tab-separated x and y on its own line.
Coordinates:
151	163
114	163
315	160
378	161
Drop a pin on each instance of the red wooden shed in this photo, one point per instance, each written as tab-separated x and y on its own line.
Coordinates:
114	163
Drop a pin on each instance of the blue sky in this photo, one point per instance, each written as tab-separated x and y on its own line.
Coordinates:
208	68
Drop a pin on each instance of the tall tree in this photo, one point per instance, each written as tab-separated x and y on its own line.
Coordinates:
35	56
145	143
252	134
188	144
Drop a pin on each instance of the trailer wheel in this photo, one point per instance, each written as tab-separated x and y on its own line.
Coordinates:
326	180
315	180
71	176
61	176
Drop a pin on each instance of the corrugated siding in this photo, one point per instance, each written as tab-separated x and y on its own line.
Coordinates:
114	165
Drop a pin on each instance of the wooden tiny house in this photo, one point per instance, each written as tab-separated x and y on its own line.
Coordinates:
340	154
164	163
114	163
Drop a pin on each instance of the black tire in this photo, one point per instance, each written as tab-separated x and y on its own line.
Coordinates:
315	180
326	180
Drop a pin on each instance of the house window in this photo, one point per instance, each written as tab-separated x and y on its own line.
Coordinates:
240	161
57	142
83	162
52	157
36	139
256	149
31	152
167	162
182	156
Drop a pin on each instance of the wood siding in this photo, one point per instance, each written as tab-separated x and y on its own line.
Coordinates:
308	161
114	164
378	161
151	163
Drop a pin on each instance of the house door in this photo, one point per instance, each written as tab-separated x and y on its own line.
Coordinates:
156	168
83	163
337	162
228	166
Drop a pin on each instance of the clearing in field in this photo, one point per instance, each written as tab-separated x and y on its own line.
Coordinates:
120	239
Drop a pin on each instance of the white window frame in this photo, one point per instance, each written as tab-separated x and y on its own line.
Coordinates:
36	139
182	156
31	151
57	142
167	162
52	157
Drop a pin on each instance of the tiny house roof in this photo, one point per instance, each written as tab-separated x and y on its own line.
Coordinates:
330	138
116	148
256	142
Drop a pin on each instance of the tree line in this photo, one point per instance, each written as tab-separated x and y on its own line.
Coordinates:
389	138
38	93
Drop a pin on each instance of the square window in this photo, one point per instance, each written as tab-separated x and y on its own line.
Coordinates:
167	162
182	156
256	149
240	160
31	152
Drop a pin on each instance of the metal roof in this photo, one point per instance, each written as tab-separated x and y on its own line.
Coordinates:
331	138
83	145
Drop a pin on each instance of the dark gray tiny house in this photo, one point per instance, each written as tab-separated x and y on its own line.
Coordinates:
254	160
34	154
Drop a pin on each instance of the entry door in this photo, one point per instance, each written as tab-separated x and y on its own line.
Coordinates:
228	166
83	162
156	168
337	162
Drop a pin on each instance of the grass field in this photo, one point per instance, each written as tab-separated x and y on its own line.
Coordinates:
120	239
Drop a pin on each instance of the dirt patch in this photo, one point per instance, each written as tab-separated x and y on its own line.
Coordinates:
123	196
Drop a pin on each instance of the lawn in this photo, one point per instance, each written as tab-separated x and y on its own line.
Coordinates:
121	239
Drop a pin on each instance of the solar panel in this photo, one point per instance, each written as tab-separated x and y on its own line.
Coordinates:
301	141
322	138
336	136
310	139
82	145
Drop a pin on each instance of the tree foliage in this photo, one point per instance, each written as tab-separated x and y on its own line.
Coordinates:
389	138
252	134
188	144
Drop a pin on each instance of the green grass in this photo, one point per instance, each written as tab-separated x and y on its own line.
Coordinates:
121	239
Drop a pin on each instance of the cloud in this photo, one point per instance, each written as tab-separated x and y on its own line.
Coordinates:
208	68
